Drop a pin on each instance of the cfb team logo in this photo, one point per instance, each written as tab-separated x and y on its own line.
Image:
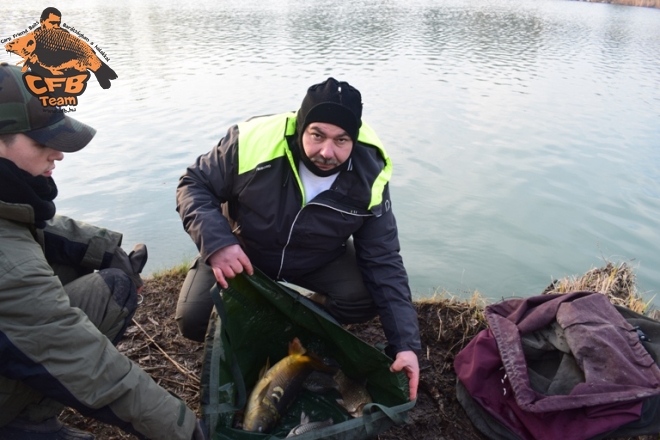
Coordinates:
58	61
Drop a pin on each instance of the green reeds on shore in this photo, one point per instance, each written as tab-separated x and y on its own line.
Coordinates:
178	270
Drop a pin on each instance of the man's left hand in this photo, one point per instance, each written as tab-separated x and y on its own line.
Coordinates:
407	361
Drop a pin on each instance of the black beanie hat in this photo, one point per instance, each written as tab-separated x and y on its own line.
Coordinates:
332	102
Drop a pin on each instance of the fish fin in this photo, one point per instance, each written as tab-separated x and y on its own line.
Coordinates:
265	368
340	376
303	418
263	392
320	382
295	347
317	363
353	412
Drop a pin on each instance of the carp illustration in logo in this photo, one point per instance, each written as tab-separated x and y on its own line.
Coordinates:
56	50
58	61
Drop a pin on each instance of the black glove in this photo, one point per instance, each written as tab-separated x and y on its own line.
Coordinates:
131	264
200	431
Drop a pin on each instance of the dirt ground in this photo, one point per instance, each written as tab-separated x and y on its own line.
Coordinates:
174	362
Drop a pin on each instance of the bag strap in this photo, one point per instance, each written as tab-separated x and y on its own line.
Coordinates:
215	407
371	411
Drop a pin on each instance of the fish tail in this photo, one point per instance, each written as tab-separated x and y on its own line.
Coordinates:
295	347
104	74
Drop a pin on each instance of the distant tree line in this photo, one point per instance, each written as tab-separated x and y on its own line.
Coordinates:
643	3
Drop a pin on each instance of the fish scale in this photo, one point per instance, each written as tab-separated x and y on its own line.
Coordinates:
354	394
278	387
59	40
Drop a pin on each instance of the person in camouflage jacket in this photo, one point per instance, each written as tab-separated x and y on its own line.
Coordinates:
67	293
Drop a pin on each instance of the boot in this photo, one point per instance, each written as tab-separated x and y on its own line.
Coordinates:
132	264
49	429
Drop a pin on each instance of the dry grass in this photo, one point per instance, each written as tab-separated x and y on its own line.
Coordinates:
456	316
617	281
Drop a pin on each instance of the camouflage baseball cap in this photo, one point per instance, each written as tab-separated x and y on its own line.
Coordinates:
21	112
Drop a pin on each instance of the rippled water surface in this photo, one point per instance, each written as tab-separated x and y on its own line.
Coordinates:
525	134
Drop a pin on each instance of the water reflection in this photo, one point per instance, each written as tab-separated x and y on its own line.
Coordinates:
523	133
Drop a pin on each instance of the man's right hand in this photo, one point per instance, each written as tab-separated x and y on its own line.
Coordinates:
229	262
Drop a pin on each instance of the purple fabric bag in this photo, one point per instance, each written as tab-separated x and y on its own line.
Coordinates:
594	357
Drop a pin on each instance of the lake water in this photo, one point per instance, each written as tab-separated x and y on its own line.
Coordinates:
525	134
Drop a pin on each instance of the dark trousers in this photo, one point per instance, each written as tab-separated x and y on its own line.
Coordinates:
347	298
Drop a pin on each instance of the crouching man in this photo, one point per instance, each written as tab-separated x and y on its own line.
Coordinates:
303	196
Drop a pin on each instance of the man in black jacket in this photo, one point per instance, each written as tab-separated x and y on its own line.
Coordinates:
305	198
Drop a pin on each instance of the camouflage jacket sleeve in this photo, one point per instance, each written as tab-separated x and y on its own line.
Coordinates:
55	349
75	243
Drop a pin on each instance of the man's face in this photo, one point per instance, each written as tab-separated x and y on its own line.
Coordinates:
326	145
53	21
30	156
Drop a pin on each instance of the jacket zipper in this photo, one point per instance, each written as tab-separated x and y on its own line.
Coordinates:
288	240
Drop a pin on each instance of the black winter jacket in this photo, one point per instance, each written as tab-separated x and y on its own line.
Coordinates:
254	172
